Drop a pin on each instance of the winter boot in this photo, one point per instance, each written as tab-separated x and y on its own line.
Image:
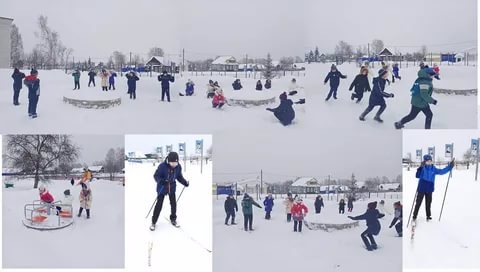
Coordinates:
173	221
429	218
398	125
80	212
378	119
88	213
361	118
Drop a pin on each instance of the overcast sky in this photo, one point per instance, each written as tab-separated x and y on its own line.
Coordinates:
148	143
95	147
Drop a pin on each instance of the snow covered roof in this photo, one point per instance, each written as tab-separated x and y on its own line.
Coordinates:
299	65
156	59
306	181
389	186
275	62
385	52
225	60
77	170
5	18
334	187
95	168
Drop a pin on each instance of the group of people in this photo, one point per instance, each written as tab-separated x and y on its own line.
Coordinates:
32	82
107	79
259	86
215	92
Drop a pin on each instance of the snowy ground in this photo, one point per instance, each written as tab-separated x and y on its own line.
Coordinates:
273	246
452	111
98	242
454	242
173	249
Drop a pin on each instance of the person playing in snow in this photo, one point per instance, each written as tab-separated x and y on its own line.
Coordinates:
259	85
33	84
218	99
189	87
166	177
91	77
268	204
334	76
437	71
397	219
426	183
76	79
111	80
247	209
166	78
85	200
230	208
211	89
268	84
299	211
284	112
288	202
381	207
377	97
373	225
421	99
396	72
132	79
361	84
17	85
72	181
45	197
104	76
318	204
237	85
341	206
386	67
350	203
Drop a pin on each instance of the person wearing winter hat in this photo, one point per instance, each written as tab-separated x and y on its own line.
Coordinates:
210	89
422	91
76	79
166	177
33	83
426	183
268	204
247	209
85	200
318	204
132	79
341	206
91	77
284	112
288	202
165	79
361	84
104	75
45	197
377	97
218	99
396	72
268	84
373	225
334	76
230	208
189	87
259	85
111	80
17	85
237	85
397	219
299	211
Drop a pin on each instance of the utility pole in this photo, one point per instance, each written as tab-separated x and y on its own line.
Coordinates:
130	62
246	64
261	182
183	60
476	168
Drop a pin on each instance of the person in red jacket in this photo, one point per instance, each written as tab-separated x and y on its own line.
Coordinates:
437	71
218	98
46	197
299	211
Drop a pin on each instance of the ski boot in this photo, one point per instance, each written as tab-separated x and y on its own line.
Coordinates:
374	246
173	222
152	227
378	119
362	118
352	97
429	218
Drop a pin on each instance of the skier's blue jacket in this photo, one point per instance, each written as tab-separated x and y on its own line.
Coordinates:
371	216
268	204
426	175
165	176
334	78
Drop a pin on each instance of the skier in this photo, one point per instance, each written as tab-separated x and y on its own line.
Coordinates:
299	211
237	85
166	78
33	83
230	208
76	79
91	77
46	198
166	176
288	202
334	76
132	79
341	206
377	97
17	85
218	99
268	84
350	203
189	87
85	200
318	204
373	225
111	80
421	98
396	71
247	209
268	204
426	183
210	89
259	86
104	76
284	112
397	219
361	84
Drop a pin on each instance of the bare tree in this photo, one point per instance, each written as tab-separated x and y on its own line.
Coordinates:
50	44
343	49
377	46
119	59
286	63
156	51
114	161
16	46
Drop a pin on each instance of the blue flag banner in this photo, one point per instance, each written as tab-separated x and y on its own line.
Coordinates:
199	146
181	148
448	150
419	154
474	145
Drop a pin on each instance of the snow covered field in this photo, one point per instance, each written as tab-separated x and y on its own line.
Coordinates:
98	242
452	111
273	246
454	242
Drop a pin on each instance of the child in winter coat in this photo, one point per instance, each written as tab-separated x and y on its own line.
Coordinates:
85	200
237	85
288	202
334	76
33	84
76	79
91	78
361	84
284	112
218	99
189	87
396	72
437	71
299	211
259	86
268	204
230	208
247	209
46	198
17	85
210	89
268	84
377	97
341	206
397	219
350	203
165	78
104	75
132	79
111	80
373	225
318	204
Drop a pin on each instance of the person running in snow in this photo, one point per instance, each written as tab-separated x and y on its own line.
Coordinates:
166	78
17	85
218	99
76	79
377	97
396	72
189	87
85	200
350	203
237	85
33	84
230	208
284	112
111	80
421	99
45	197
166	177
341	206
259	86
361	84
373	225
334	76
104	76
268	84
426	183
210	89
91	77
132	79
288	202
247	209
268	204
299	211
397	219
437	71
318	204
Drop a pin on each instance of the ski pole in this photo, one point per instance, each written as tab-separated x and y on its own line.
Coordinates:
154	202
180	194
445	195
411	210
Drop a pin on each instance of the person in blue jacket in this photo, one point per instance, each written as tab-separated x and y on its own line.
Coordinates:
373	225
377	97
165	79
189	88
396	72
111	80
230	208
166	176
426	183
132	79
17	85
284	112
33	84
334	76
268	204
91	77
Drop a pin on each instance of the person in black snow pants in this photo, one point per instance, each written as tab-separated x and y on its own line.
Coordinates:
318	204
284	112
91	78
166	78
259	86
17	85
33	84
350	203
377	97
397	219
166	176
361	84
341	206
230	208
132	79
373	225
334	76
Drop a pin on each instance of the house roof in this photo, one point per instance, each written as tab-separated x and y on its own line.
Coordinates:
77	170
95	168
156	59
389	186
303	181
385	52
5	18
225	60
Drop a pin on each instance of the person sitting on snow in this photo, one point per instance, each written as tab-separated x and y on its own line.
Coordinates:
218	99
259	86
397	219
85	200
189	87
284	112
237	85
373	225
268	84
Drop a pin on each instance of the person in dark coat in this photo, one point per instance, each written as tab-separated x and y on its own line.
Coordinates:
17	85
398	217
350	203
189	87
132	79
111	80
259	86
33	84
268	204
247	209
76	79
373	225
166	78
230	208
166	176
91	78
334	76
268	84
341	206
284	112
237	85
396	72
361	84
377	97
72	181
318	204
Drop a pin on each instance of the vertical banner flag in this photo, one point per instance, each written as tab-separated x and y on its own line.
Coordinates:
474	146
199	146
419	154
181	148
448	150
168	148
431	152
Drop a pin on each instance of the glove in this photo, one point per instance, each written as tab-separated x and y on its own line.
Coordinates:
452	163
269	109
390	226
187	183
434	102
292	93
392	95
301	101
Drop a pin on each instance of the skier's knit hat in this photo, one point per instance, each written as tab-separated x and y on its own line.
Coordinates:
33	72
372	205
283	96
382	72
172	157
42	188
333	67
427	157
